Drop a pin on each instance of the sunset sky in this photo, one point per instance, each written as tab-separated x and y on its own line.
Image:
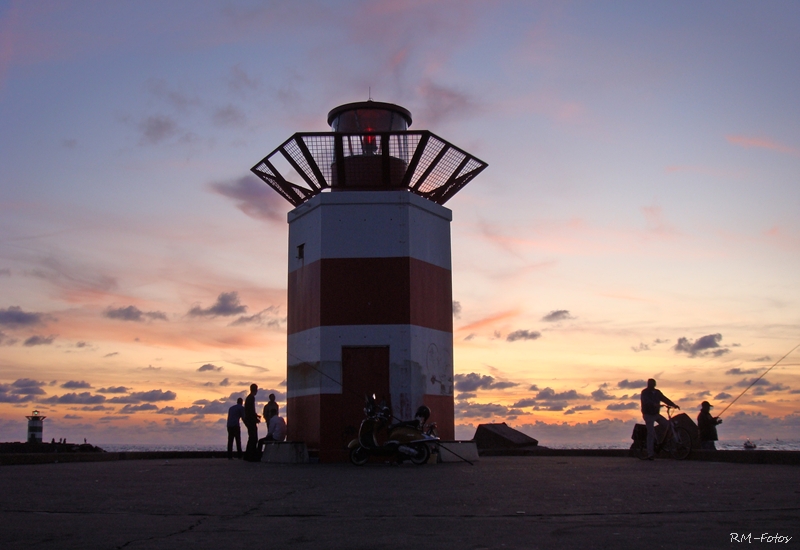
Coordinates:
638	218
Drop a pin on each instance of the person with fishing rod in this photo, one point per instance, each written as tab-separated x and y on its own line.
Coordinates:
707	427
651	407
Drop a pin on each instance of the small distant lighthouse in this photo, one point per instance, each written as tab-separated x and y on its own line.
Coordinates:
370	304
35	427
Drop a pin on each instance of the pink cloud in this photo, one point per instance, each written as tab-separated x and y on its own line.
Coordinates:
762	143
489	321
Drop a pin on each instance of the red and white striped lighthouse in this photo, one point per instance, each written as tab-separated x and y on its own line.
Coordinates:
370	286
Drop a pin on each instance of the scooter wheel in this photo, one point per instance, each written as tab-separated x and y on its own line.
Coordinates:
359	456
423	454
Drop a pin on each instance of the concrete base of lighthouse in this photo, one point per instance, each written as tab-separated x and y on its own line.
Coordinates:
370	312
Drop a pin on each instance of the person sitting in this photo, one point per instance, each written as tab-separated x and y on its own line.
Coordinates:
276	430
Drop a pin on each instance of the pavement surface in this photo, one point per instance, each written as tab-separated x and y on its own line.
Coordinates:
500	502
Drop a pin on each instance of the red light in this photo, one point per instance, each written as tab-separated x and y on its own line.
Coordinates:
369	143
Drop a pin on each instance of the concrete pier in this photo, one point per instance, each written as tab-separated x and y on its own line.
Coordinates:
559	502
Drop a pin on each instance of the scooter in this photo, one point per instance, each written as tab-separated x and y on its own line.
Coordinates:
410	440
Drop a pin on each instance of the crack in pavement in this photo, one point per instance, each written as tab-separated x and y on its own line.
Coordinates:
180	532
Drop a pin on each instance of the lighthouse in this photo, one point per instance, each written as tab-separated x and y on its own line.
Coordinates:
35	427
370	305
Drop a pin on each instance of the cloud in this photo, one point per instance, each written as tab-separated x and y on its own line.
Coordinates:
765	359
466	395
552	406
764	390
641	347
112	418
440	103
203	407
622	406
82	344
72	417
38	340
229	116
127	409
632	384
21	390
209	367
701	346
762	143
557	315
722	396
6	340
741	372
474	381
114	389
133	313
549	394
75	385
579	408
151	396
601	395
225	382
112	354
254	198
27	386
527	402
156	129
489	321
697	396
241	82
483	410
84	398
745	382
96	408
15	317
174	98
227	304
456	309
266	317
523	335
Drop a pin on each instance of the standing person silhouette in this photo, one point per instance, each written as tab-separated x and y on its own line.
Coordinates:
270	406
707	427
251	420
234	430
651	407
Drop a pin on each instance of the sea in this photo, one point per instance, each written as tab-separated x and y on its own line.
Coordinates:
726	445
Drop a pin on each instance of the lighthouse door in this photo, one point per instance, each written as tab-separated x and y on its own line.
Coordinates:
365	370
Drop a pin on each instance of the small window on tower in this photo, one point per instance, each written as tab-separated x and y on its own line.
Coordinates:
301	251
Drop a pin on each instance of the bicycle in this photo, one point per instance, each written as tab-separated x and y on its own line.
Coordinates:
676	440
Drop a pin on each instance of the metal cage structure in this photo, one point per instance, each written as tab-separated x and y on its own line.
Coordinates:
419	161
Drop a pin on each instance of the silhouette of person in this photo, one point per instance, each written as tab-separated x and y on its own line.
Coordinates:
651	406
251	420
707	427
234	430
270	406
276	429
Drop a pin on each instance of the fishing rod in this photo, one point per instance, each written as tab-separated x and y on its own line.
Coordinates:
753	383
307	363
